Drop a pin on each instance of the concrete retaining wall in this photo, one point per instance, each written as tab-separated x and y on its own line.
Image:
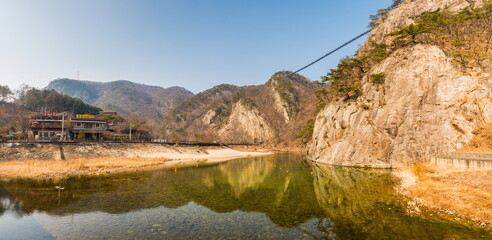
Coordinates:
464	161
55	151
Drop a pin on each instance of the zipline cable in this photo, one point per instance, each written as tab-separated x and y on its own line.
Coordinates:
328	54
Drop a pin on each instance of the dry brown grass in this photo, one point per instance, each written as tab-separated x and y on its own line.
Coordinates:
420	169
462	192
51	168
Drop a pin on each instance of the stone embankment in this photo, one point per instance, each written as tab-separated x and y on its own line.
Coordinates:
464	160
33	160
53	151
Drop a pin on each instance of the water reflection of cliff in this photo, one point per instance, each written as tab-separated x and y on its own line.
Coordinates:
281	187
346	203
363	205
247	175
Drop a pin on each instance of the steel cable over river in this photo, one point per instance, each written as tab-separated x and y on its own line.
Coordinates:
328	54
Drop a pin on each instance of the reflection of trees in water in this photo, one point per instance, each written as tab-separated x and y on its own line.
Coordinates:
364	205
41	194
9	204
347	203
279	186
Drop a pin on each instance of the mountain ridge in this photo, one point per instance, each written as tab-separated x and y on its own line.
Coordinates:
123	96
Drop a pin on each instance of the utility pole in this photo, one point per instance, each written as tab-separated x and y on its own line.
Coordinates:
130	131
63	126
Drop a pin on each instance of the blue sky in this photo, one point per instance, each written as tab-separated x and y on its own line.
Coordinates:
196	44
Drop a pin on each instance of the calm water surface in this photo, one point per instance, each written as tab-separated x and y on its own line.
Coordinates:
274	197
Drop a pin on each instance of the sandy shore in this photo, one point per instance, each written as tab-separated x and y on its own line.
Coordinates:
202	153
135	158
459	194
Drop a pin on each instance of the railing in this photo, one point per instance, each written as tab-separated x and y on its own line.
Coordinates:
153	141
45	127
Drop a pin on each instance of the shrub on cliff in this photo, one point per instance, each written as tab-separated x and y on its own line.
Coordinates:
465	35
306	133
381	14
378	78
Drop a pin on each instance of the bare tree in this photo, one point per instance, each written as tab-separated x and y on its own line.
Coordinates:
5	93
21	94
135	124
14	120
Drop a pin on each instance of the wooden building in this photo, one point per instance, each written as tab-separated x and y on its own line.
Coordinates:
48	126
89	127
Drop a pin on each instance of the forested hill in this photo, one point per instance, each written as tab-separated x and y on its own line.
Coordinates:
16	109
37	100
125	97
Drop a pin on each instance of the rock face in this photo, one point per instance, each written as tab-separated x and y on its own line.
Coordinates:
271	113
246	121
406	12
425	106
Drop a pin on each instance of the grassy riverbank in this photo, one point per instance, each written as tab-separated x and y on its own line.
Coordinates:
53	168
126	159
466	195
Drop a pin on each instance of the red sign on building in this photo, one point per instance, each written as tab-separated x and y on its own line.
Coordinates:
49	114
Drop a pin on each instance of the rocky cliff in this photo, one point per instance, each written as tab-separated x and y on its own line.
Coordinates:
271	113
426	95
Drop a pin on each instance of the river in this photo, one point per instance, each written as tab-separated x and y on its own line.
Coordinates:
280	196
